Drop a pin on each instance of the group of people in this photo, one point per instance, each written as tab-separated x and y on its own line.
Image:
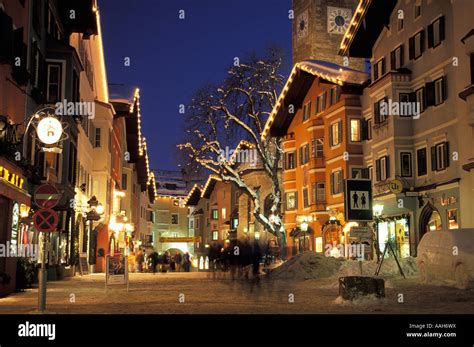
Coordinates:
168	262
239	257
162	262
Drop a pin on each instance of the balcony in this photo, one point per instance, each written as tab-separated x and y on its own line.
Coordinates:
288	138
289	175
316	163
395	76
318	206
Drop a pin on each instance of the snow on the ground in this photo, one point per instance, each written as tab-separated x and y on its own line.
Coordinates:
308	265
389	267
366	300
205	294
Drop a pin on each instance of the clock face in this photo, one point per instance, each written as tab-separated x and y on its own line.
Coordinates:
338	19
302	25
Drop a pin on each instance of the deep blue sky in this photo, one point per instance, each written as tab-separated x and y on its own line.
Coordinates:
171	58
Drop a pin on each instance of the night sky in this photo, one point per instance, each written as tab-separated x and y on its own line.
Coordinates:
171	58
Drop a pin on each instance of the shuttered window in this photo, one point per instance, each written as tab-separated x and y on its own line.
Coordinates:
416	45
336	182
421	162
440	156
382	168
436	33
335	134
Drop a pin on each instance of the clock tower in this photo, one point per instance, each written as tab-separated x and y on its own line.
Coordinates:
318	28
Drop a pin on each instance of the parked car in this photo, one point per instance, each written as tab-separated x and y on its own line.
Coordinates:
447	255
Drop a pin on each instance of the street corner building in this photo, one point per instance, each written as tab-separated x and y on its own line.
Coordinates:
91	151
377	96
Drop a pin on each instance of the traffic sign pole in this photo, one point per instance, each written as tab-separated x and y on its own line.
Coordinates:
42	279
45	221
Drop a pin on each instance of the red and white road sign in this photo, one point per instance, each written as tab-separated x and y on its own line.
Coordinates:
47	196
45	220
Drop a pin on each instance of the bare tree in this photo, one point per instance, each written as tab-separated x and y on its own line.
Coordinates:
234	114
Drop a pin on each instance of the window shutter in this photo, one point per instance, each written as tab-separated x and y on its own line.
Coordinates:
444	88
402	56
446	154
6	37
306	153
376	72
284	202
422	41
339	130
383	66
377	170
441	29
411	48
341	181
331	143
392	60
387	165
42	74
433	158
364	130
296	200
376	113
430	94
332	183
430	36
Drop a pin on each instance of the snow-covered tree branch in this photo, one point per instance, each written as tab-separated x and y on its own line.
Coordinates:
232	114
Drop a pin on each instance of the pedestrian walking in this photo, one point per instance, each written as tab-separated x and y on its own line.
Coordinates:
178	259
154	261
256	256
139	259
166	261
187	262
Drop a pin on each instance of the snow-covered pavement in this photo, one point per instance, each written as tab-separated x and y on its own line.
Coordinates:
163	293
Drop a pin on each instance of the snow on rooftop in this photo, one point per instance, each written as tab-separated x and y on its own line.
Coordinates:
328	70
121	93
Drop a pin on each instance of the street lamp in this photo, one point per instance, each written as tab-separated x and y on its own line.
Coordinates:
304	229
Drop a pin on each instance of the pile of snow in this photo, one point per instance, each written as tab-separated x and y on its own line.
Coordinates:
389	268
310	265
367	300
307	265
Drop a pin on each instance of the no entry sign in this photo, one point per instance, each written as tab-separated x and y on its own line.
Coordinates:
45	220
47	196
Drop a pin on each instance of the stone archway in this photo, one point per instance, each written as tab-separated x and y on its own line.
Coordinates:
429	217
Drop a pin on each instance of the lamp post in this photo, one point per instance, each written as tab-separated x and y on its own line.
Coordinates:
95	212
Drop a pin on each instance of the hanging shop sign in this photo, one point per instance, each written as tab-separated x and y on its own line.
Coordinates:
49	130
363	232
11	177
116	270
396	186
15	223
444	200
358	200
10	133
181	239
